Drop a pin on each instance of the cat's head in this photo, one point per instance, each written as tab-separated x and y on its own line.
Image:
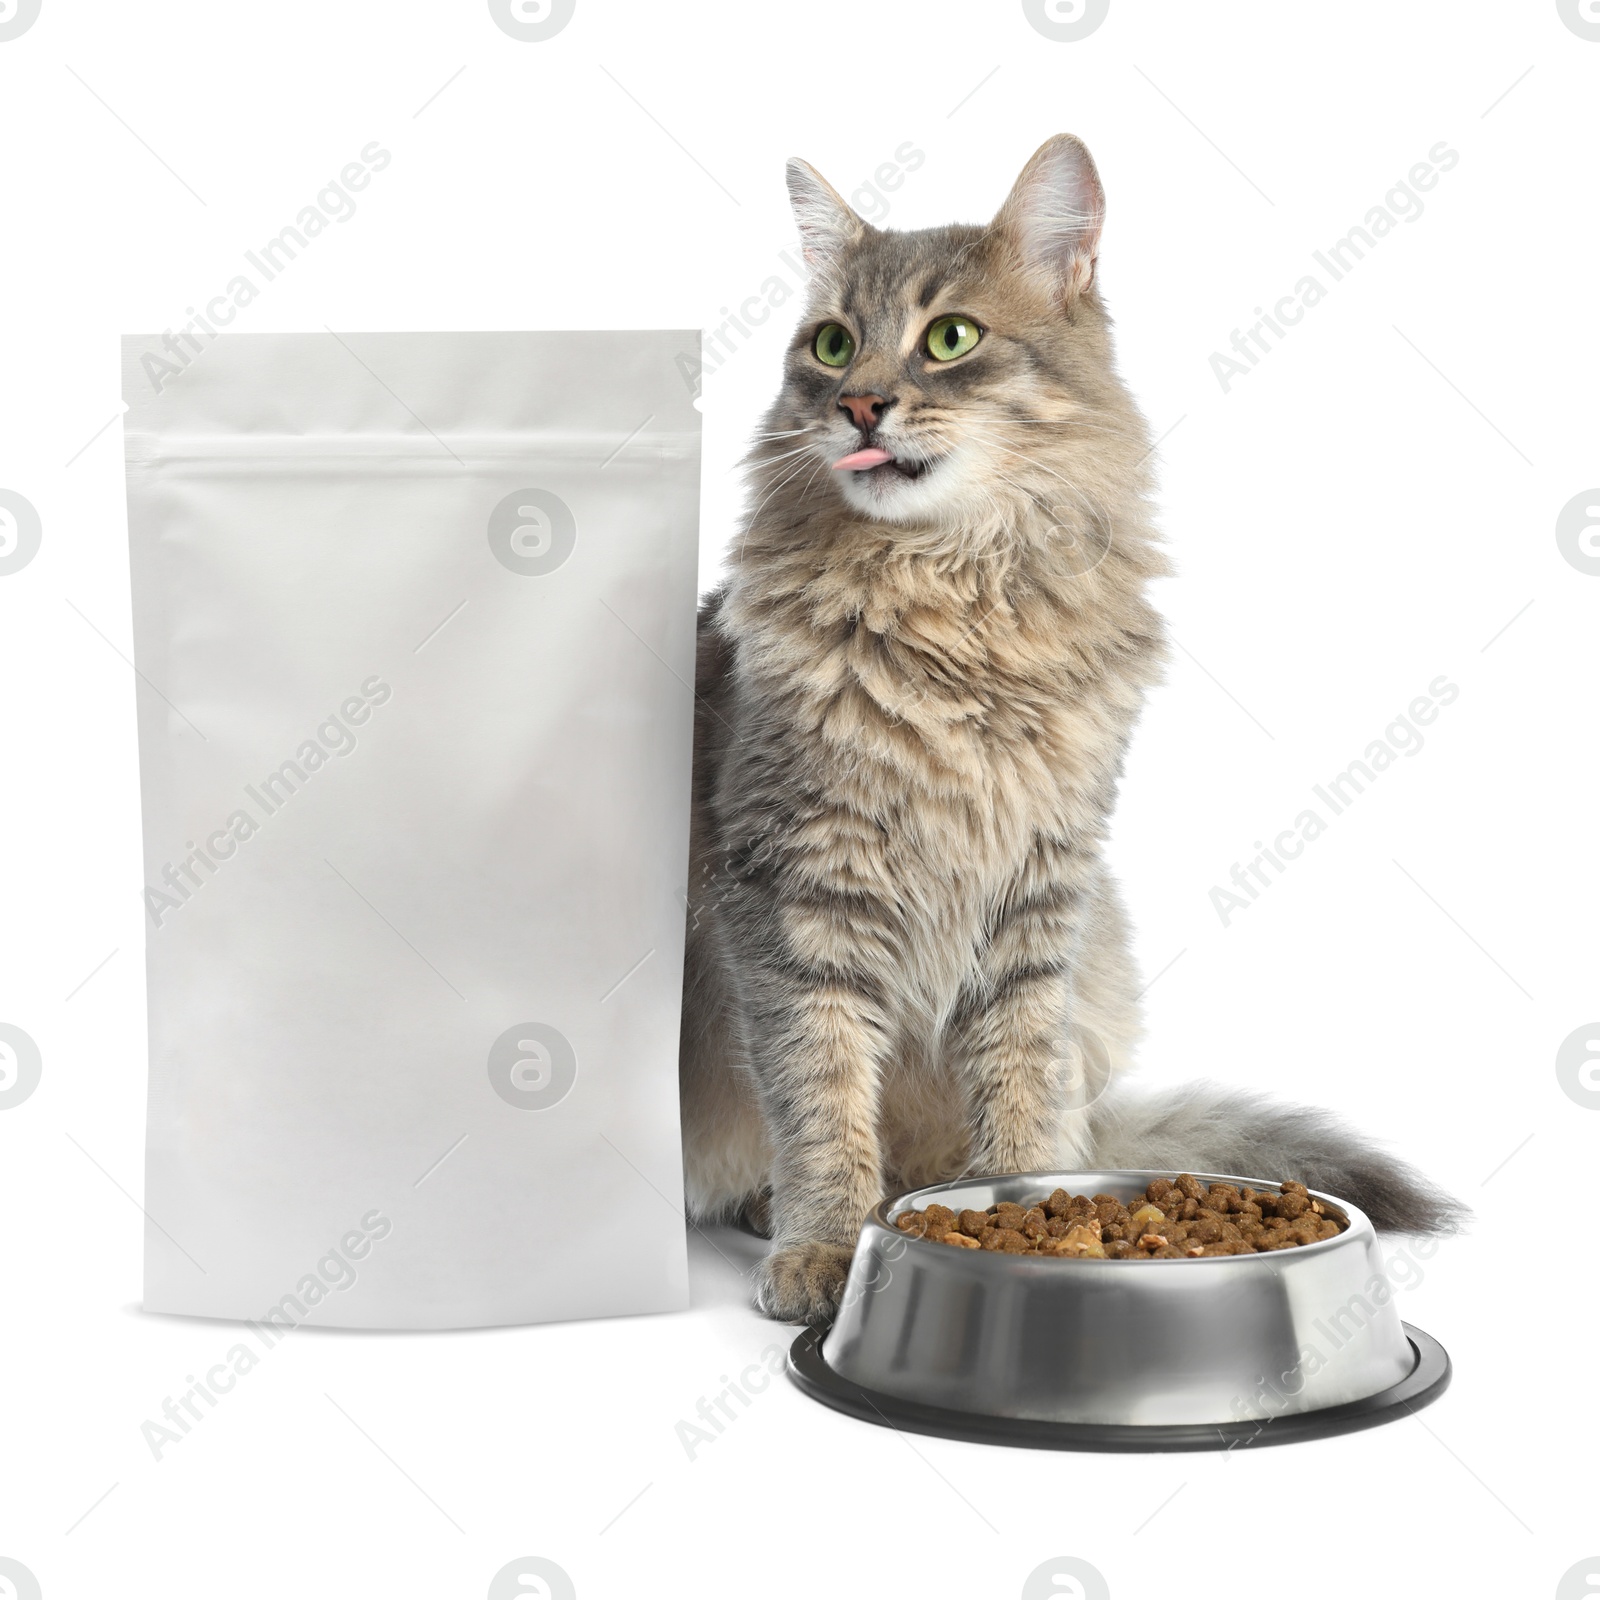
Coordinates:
945	377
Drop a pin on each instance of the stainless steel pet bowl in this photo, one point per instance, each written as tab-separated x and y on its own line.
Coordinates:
1202	1353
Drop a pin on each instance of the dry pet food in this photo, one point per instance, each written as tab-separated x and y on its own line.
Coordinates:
1177	1218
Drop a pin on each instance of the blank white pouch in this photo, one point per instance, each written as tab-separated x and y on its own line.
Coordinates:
414	629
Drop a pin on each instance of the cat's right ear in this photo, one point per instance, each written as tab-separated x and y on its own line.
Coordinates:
1054	214
827	225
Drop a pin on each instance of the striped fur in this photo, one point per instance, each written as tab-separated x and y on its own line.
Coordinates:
914	699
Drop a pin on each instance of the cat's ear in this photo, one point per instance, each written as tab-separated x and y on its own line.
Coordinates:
1054	213
827	225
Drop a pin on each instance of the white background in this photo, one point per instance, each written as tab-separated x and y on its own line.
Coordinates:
1374	505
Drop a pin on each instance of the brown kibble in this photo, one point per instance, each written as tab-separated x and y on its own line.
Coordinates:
1177	1219
1006	1239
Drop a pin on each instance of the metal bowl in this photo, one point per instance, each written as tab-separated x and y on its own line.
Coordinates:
1204	1352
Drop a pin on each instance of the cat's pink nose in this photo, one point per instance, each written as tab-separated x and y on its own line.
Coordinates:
866	410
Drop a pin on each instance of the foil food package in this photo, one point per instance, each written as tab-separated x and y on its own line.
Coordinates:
414	631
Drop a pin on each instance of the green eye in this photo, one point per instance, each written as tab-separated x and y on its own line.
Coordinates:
835	346
950	337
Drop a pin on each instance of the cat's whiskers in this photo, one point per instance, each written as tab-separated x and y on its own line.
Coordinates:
1066	426
990	438
788	477
772	461
1097	514
805	488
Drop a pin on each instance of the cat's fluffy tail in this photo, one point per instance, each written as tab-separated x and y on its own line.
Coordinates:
1207	1127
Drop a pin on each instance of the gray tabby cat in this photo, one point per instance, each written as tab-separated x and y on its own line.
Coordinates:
916	686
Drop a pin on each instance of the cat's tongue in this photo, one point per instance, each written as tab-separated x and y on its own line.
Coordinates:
860	460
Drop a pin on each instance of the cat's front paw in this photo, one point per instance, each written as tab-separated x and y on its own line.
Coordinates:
803	1282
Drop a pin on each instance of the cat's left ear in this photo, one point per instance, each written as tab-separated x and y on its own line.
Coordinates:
827	225
1054	213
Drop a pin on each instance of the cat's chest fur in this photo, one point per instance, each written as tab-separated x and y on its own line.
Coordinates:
968	710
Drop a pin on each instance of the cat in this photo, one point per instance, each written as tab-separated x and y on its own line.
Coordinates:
906	960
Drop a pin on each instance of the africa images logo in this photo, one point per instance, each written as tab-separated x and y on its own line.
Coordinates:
532	532
20	532
20	1066
1582	16
532	21
1578	533
16	17
532	1066
1066	21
